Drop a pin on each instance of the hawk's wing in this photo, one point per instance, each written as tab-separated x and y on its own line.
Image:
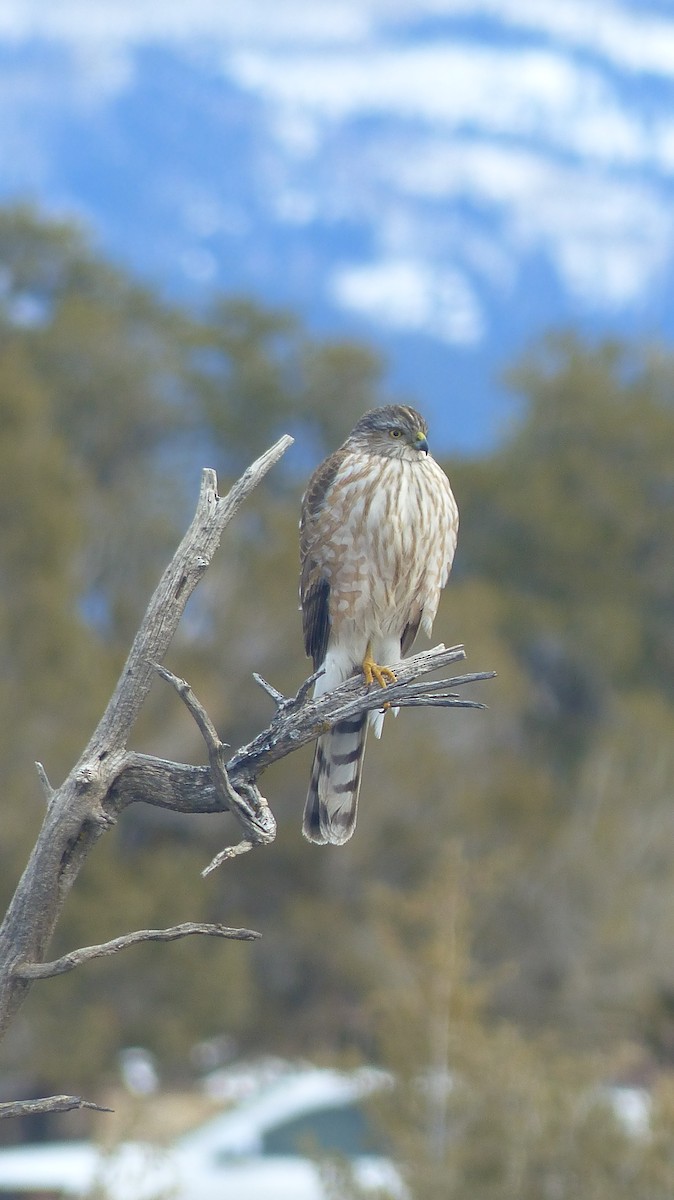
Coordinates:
409	633
314	585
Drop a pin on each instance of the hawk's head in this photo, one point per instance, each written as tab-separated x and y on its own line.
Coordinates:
394	431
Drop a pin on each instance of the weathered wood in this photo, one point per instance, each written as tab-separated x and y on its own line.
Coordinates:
297	721
108	777
48	1104
79	811
68	962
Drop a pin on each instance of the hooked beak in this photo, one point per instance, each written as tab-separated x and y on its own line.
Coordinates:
421	442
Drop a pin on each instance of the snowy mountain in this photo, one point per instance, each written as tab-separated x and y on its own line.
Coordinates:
444	177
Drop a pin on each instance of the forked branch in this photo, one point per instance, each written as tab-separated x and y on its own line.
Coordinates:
298	720
83	807
109	777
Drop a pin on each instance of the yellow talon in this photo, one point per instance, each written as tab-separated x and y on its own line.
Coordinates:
372	671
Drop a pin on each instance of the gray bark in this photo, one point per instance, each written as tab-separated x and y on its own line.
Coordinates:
108	777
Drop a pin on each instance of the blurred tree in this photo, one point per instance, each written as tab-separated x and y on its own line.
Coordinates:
111	399
568	525
259	374
50	661
573	517
476	1110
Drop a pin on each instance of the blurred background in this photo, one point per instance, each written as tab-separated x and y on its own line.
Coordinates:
219	224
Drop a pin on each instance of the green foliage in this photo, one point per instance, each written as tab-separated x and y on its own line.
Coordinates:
275	375
574	515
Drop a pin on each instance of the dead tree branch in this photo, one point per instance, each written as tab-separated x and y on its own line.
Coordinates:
298	720
109	777
49	1104
68	962
78	812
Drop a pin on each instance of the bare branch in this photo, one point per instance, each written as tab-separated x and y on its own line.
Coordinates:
298	720
196	710
247	804
59	966
276	696
108	777
184	572
178	787
84	807
49	1104
287	704
44	782
225	855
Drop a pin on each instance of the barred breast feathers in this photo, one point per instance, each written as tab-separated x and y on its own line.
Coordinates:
385	540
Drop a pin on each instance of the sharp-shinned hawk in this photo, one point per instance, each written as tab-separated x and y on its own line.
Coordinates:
377	539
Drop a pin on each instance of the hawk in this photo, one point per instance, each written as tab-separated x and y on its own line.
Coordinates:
377	538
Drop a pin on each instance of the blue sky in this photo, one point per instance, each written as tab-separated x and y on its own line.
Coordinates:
423	160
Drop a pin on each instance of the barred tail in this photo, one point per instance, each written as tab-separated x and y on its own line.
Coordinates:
332	799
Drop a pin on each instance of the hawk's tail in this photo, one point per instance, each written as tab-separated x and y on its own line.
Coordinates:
332	799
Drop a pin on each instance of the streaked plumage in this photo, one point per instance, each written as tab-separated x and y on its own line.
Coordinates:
377	539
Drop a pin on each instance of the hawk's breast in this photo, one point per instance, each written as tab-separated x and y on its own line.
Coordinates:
387	539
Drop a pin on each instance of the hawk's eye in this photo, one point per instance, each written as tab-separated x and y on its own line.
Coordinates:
395	433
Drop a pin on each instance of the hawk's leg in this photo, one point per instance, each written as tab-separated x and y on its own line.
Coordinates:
372	671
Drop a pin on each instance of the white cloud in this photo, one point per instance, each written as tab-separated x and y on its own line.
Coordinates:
537	135
605	274
607	240
636	36
626	35
298	132
502	90
607	235
539	144
412	296
135	22
631	37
